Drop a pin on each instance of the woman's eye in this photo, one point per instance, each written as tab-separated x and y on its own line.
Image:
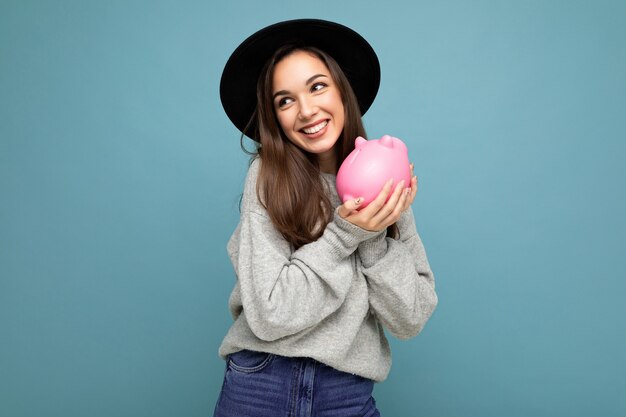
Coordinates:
317	86
284	101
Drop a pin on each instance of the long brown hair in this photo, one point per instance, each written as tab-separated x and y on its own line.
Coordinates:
289	179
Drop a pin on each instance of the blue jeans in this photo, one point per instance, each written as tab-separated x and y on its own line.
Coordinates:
258	384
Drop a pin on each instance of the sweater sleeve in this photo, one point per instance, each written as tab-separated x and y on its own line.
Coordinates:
284	292
400	282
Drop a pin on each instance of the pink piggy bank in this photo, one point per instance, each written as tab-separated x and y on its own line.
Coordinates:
370	165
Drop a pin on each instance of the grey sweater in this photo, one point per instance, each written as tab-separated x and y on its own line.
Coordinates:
330	299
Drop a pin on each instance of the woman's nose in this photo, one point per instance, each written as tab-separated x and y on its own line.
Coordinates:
307	108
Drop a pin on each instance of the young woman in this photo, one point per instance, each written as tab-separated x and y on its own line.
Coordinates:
318	280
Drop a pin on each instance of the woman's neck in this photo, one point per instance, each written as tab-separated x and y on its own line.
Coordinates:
328	162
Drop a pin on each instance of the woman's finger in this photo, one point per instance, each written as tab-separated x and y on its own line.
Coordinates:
399	208
349	207
412	193
390	205
376	204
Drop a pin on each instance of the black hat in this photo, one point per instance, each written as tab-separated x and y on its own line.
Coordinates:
354	55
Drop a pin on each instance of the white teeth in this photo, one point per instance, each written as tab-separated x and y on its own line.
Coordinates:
315	128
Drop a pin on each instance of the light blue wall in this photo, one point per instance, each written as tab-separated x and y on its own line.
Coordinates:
120	176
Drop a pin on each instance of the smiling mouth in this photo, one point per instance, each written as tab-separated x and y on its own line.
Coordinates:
314	129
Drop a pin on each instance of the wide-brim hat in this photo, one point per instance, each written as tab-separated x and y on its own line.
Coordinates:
352	52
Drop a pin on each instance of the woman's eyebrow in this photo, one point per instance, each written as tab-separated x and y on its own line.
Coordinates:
309	81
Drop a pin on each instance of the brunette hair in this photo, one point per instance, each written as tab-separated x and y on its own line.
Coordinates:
289	181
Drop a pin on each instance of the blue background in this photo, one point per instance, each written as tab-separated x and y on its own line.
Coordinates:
120	176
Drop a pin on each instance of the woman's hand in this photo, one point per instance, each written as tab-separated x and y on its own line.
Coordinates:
379	215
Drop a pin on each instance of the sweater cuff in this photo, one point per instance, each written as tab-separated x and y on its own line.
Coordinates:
371	250
353	233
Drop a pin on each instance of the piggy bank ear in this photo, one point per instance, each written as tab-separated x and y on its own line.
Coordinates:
387	141
358	142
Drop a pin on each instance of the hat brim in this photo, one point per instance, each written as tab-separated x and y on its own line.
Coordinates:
352	52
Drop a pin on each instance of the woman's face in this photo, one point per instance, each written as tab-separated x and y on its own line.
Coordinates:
308	105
